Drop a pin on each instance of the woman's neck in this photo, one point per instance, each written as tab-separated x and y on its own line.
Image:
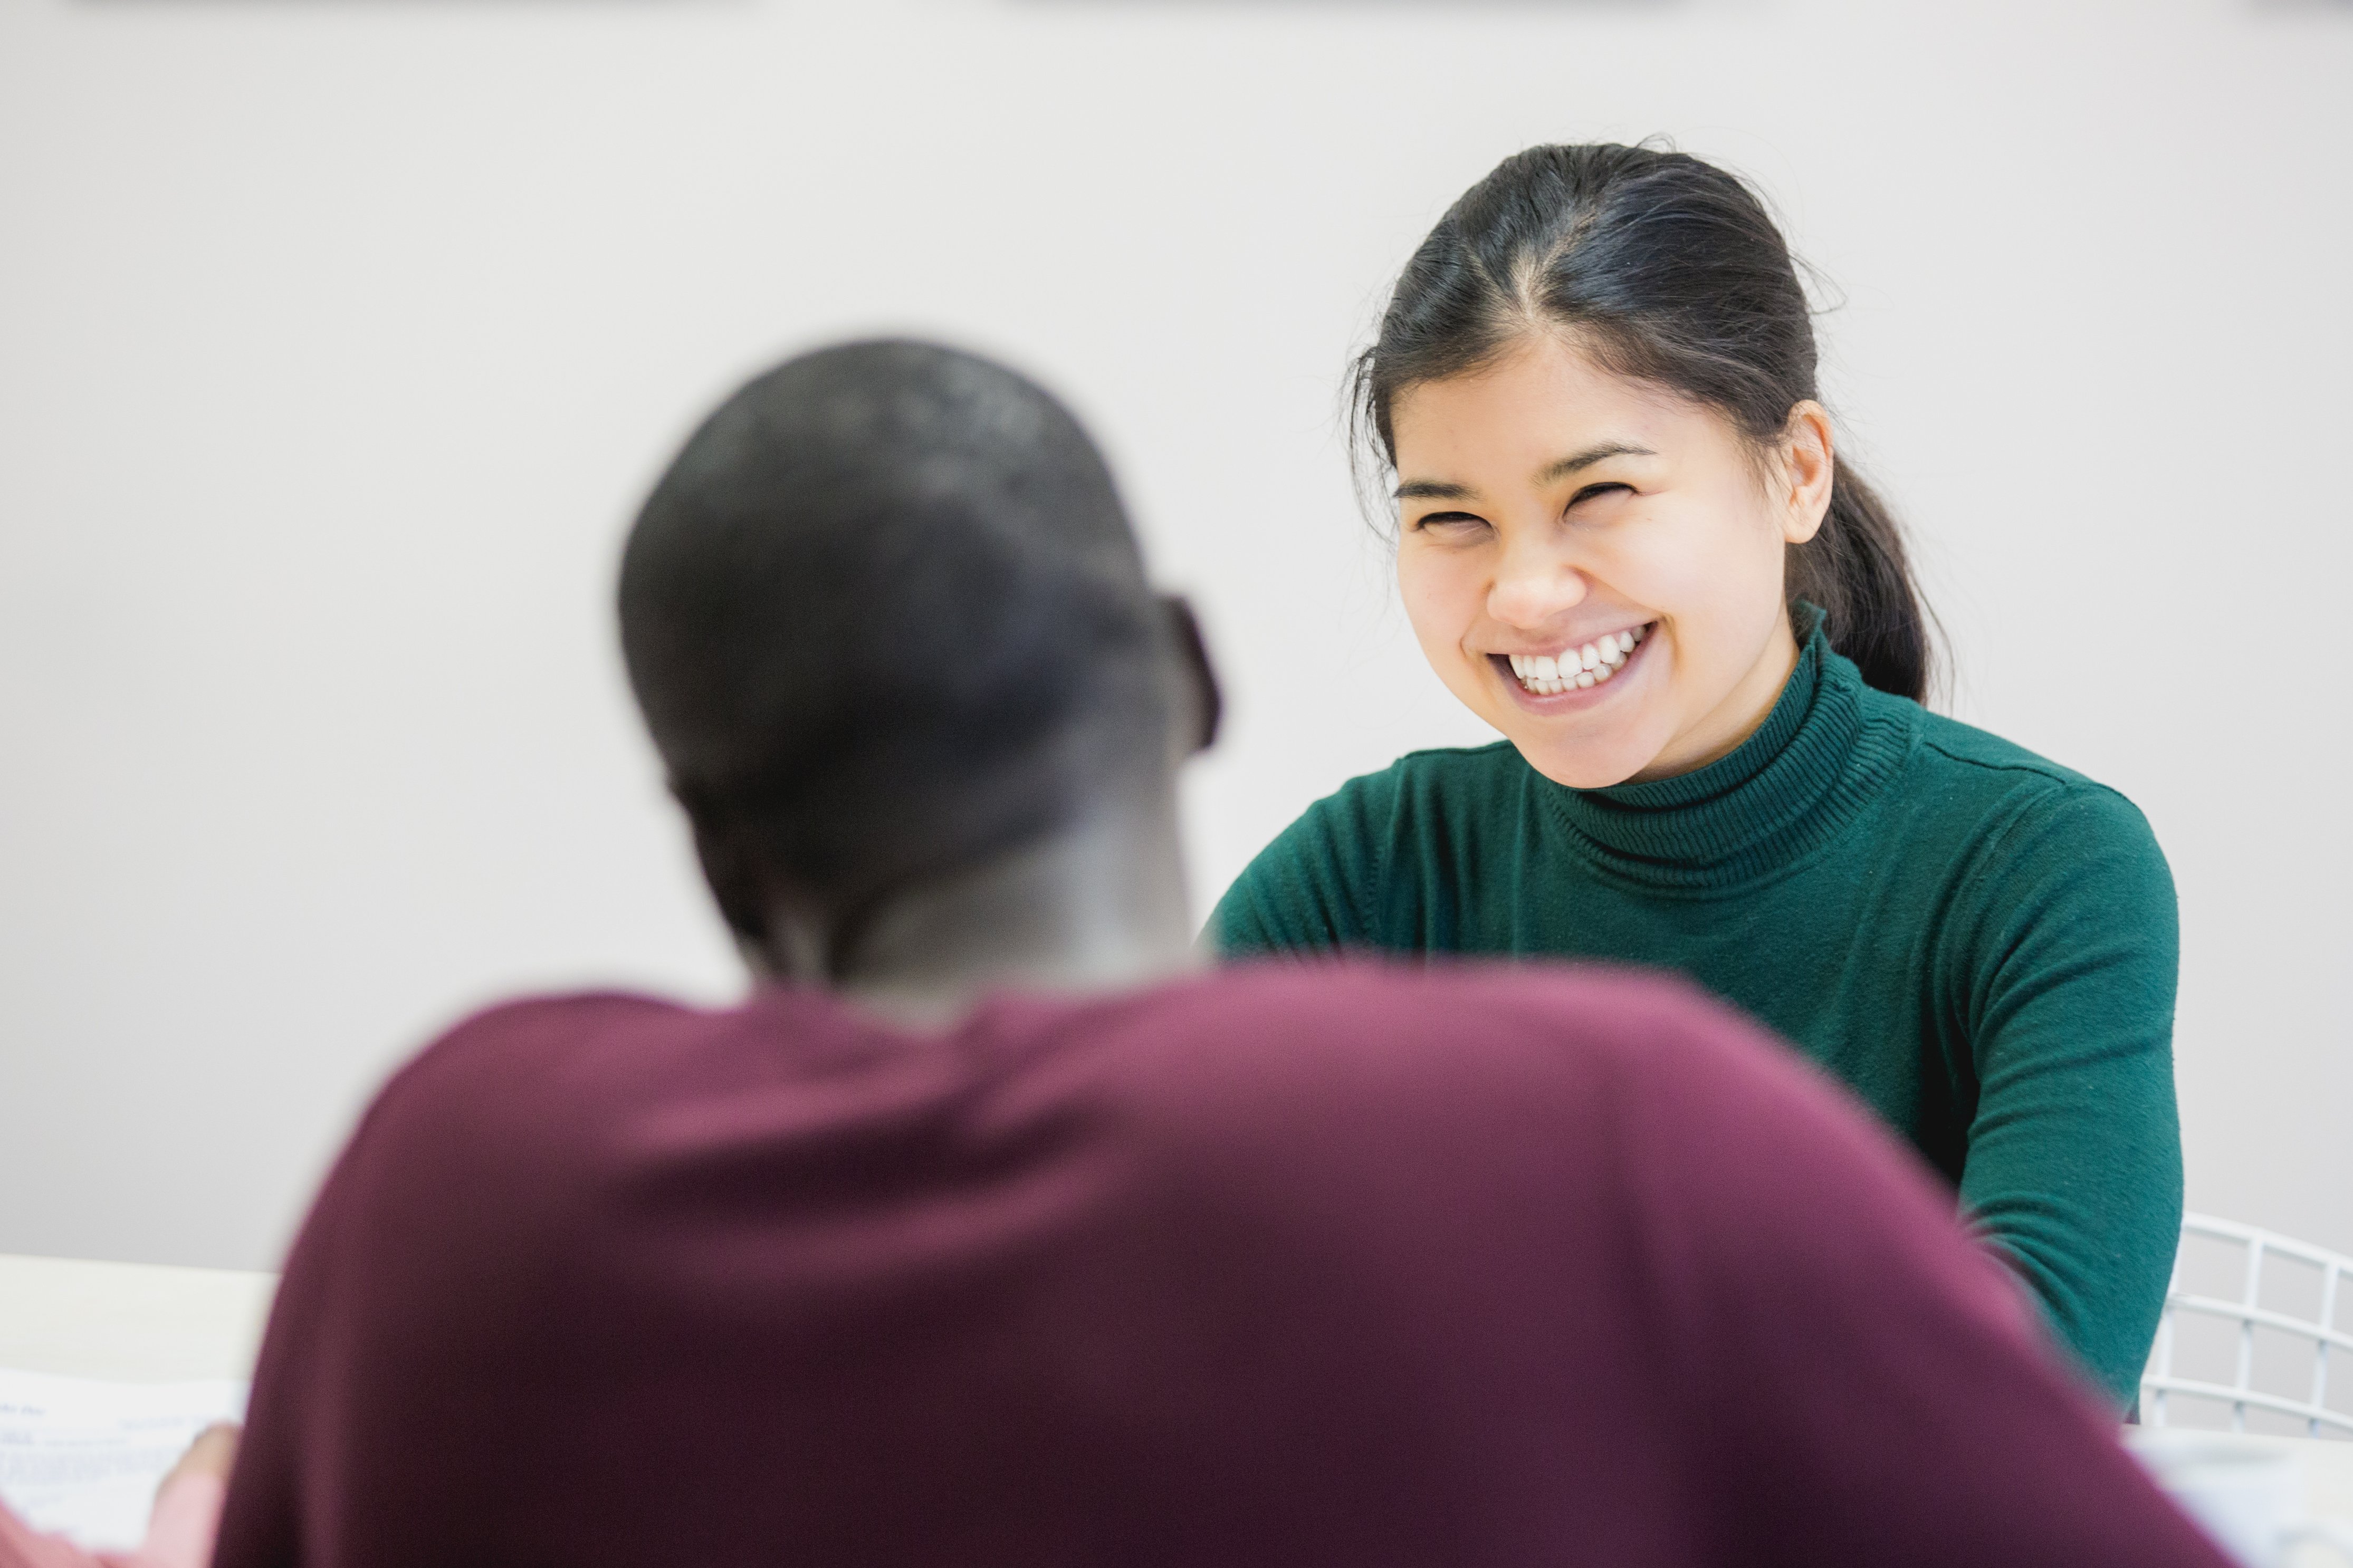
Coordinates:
1723	728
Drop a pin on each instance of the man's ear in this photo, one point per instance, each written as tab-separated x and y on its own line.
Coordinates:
1200	679
729	868
779	937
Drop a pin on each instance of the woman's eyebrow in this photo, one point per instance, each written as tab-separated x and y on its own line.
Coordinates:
1443	490
1587	459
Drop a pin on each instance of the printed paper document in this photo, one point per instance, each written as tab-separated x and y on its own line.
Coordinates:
82	1458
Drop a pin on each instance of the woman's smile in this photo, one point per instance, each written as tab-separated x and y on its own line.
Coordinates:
1573	677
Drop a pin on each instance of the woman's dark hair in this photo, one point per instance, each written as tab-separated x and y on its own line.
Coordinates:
1669	270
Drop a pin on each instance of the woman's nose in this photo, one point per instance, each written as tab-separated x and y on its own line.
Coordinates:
1534	587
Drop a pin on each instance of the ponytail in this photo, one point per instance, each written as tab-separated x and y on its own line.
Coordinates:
1858	572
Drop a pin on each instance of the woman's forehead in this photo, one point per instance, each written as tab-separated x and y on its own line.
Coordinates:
1536	407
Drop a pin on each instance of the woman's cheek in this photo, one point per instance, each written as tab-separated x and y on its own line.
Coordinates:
1693	604
1436	605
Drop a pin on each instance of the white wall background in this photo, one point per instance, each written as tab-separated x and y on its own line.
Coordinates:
338	340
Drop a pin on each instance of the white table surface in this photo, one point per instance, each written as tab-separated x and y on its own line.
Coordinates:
2327	1470
130	1322
2328	1465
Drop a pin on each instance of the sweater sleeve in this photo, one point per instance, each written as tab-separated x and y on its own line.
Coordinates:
1314	888
2074	1166
268	1519
260	1525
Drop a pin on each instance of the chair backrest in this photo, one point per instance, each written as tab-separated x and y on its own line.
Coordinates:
2243	1314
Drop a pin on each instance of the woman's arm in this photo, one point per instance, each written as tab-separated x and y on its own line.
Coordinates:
2074	1166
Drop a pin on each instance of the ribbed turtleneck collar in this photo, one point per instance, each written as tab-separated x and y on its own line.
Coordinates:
1789	788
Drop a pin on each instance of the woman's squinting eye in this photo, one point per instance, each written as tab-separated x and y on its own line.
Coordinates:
1589	491
1448	521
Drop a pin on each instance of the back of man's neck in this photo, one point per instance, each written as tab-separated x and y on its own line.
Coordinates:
1099	906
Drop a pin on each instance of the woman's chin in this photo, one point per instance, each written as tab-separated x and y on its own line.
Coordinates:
1602	732
1588	764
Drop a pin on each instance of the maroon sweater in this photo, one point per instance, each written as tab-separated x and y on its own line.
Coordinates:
1293	1267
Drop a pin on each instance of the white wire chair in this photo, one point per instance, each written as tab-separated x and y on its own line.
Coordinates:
2247	1313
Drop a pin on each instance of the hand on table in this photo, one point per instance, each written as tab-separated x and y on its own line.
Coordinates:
180	1533
188	1503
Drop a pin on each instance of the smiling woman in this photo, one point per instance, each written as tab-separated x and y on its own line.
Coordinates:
1626	540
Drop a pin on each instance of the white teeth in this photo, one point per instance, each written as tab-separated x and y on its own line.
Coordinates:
1576	669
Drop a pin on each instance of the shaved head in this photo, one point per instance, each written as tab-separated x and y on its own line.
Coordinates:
885	617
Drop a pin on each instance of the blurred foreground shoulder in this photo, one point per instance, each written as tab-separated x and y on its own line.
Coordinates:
1414	1039
513	1099
549	1042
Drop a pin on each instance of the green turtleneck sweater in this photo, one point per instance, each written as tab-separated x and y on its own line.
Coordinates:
1981	943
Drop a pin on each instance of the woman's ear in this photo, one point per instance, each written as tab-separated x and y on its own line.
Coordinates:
1807	468
1199	680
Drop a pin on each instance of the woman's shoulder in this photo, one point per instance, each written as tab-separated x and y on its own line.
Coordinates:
1318	883
2014	798
1448	774
1966	751
1443	780
1978	759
